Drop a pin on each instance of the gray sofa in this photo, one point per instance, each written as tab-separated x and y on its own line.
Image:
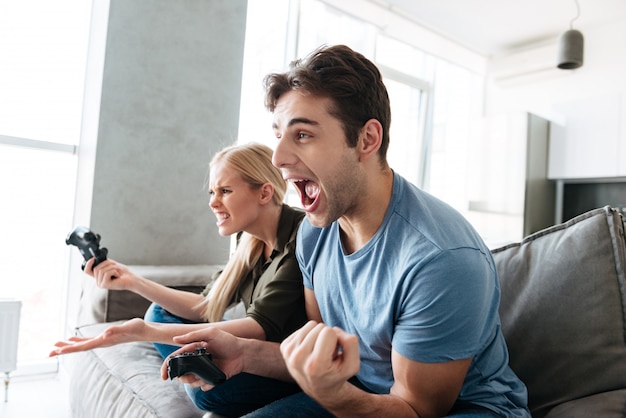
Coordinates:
125	381
563	314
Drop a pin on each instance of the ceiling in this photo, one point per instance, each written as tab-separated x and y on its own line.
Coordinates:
493	27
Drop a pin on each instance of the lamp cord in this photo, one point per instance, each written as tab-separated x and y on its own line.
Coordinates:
571	22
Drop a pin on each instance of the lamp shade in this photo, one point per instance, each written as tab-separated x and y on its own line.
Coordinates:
571	48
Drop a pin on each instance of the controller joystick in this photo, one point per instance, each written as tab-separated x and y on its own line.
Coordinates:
197	363
88	244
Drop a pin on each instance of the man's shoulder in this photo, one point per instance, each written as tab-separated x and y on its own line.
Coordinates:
422	215
311	238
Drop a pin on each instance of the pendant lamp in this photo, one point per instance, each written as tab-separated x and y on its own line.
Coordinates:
571	47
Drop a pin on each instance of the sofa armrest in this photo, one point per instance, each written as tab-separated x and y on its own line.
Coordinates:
101	305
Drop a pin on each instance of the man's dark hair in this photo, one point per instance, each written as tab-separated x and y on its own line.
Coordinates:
352	82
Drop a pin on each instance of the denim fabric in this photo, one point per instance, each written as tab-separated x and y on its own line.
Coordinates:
299	405
241	394
237	396
474	413
471	411
156	313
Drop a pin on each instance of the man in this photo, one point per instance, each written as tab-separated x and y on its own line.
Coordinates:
401	292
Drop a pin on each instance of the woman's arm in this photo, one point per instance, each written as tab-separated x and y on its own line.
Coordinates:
139	330
116	276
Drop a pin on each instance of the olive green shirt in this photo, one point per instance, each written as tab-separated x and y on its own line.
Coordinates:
273	293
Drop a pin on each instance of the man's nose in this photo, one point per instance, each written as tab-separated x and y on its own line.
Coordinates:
283	156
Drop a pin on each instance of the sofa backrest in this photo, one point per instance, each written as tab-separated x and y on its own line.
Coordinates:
99	305
563	308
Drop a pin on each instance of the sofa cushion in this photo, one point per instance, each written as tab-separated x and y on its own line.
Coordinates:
563	308
606	405
124	382
101	305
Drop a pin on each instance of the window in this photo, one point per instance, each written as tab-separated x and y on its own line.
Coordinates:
435	102
408	91
308	24
42	69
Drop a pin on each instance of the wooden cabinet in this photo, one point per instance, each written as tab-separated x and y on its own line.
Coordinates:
592	141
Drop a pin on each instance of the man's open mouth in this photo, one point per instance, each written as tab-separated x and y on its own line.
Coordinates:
309	191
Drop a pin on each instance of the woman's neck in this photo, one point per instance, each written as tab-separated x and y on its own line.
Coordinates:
267	229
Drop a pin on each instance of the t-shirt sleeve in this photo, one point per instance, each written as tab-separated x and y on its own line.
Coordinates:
306	240
447	307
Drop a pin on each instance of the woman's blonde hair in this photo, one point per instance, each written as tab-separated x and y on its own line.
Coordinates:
254	163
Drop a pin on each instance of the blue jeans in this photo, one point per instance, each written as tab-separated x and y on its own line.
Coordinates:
156	313
472	412
237	396
242	394
301	405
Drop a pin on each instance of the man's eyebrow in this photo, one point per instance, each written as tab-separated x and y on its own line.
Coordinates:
296	121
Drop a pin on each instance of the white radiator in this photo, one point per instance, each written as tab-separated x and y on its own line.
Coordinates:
9	331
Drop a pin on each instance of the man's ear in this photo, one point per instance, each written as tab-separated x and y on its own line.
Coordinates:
370	139
267	193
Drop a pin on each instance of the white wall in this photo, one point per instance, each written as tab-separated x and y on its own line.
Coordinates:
162	96
529	80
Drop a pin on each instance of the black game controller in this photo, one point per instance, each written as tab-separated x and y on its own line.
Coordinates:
197	363
88	244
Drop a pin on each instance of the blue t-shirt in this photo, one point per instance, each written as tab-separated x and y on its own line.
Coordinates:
426	285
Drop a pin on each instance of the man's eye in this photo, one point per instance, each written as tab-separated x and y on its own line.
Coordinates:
302	135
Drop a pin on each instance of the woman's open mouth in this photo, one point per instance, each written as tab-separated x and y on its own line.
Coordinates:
221	217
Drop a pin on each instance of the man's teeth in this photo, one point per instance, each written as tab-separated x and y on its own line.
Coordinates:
301	184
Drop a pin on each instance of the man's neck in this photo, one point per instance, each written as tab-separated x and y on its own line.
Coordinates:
360	225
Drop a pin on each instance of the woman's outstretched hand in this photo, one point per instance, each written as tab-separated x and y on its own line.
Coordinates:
116	334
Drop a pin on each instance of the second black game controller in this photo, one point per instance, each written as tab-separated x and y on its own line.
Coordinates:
197	363
88	244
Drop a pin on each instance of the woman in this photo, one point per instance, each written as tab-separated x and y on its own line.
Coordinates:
246	197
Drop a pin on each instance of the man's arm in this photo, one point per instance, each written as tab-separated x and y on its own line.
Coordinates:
232	355
311	306
322	359
235	355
